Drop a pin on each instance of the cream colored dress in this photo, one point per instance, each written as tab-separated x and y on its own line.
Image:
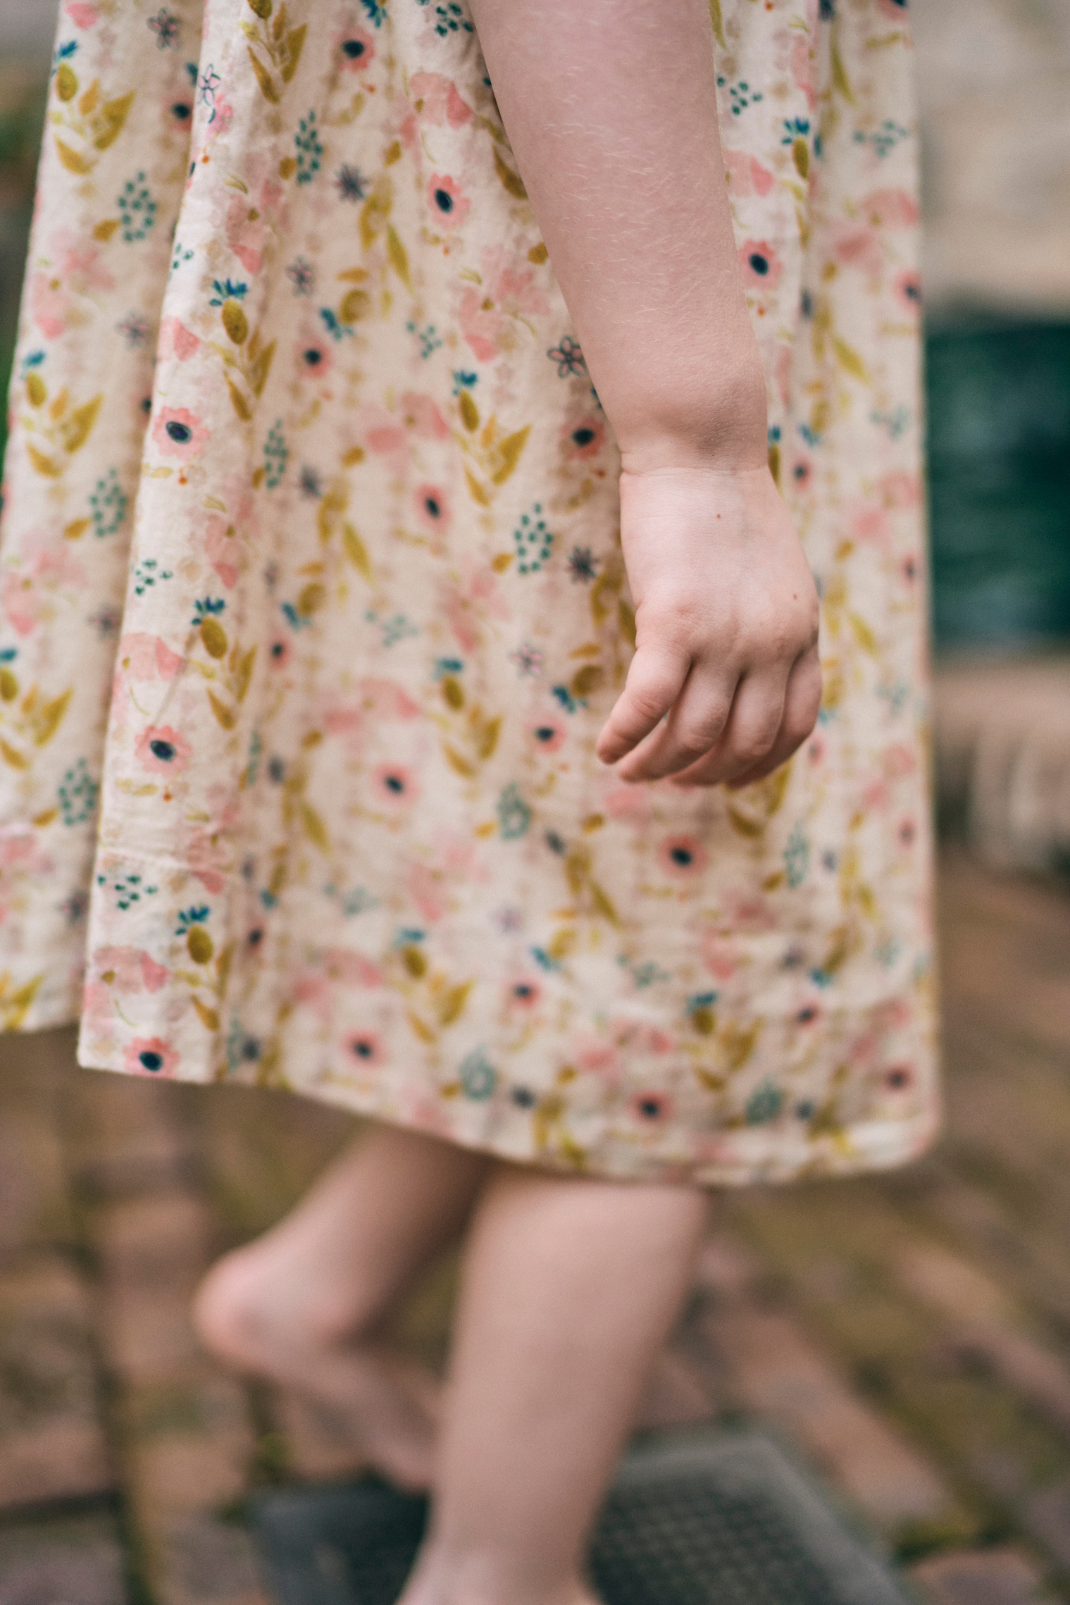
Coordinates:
313	605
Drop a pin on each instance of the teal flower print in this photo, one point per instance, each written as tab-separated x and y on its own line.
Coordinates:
309	149
78	794
108	504
477	1075
764	1104
514	815
533	541
276	455
137	209
796	857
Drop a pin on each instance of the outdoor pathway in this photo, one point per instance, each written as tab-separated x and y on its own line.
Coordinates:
908	1335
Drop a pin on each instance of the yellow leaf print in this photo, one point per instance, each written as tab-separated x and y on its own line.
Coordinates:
114	114
511	181
263	78
469	412
234	321
478	493
238	401
356	551
295	43
199	945
745	826
586	680
72	160
226	716
46	720
314	828
9	685
458	761
36	393
208	1017
44	465
863	634
13	1009
89	99
214	638
508	453
76	528
452	1005
603	903
849	360
66	82
717	22
399	261
12	756
839	73
800	155
75	432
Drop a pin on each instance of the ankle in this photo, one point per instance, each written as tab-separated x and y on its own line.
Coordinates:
489	1578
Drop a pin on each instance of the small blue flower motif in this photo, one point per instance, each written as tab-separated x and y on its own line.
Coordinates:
134	330
514	815
566	699
882	139
336	329
350	183
189	917
78	794
428	336
227	290
179	256
309	148
568	356
302	275
528	660
582	565
310	483
107	505
795	128
167	28
376	11
464	381
33	359
137	209
533	541
796	857
207	607
207	84
477	1075
764	1104
276	455
64	52
449	19
448	666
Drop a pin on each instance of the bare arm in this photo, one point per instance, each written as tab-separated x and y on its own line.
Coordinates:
610	106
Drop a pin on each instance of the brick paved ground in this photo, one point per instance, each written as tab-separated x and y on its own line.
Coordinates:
908	1334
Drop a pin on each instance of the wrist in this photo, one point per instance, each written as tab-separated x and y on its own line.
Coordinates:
722	429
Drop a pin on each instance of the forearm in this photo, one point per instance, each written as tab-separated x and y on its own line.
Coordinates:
610	106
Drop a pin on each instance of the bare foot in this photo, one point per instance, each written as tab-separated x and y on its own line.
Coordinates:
250	1311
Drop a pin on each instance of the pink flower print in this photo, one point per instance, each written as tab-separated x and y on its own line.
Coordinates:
246	233
871	525
718	955
179	432
208	859
746	175
682	856
907	289
807	1015
650	1108
548	734
342	964
449	202
804	67
395	785
898	1078
20	608
382	432
479	596
423	416
437	100
426	887
315	359
387	699
485	330
129	969
366	1048
432	507
150	1056
857	246
176	340
82	13
222	549
523	993
163	750
632	803
761	265
279	652
801	473
354	49
50	304
900	760
890	208
148	657
584	438
899	489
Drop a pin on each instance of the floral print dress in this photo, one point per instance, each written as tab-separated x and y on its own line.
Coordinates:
313	605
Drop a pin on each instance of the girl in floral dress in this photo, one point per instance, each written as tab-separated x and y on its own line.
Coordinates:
409	667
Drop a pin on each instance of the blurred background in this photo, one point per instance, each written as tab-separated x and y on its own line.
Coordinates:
909	1335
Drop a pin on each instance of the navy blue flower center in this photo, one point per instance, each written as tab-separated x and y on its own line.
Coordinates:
434	507
394	783
758	263
444	200
163	750
181	110
682	856
582	437
524	990
255	937
353	48
278	649
150	1060
364	1047
650	1108
545	732
179	433
313	357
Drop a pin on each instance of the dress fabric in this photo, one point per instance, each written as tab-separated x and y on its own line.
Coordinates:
313	606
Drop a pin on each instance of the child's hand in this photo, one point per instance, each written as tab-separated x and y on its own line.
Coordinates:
726	630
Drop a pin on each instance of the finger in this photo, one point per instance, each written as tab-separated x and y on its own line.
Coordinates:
653	685
801	707
802	699
749	736
695	723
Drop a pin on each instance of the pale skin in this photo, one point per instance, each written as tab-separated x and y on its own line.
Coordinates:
570	1285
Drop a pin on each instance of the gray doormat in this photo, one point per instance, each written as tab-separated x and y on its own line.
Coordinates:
708	1518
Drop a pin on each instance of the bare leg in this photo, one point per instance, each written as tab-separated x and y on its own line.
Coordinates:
569	1289
303	1305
